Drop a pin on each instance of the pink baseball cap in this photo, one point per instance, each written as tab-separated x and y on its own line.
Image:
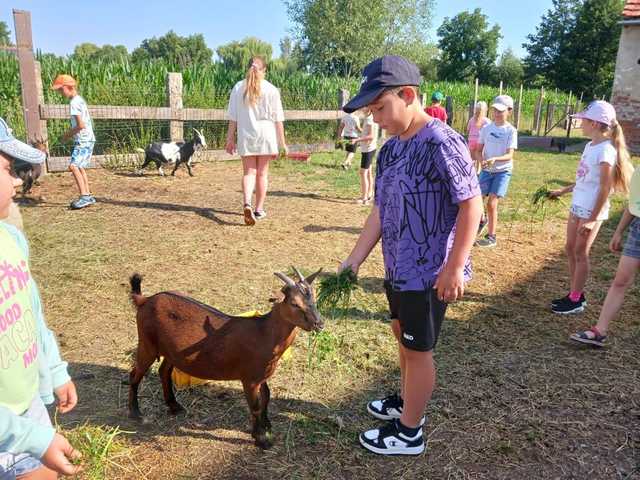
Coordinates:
599	111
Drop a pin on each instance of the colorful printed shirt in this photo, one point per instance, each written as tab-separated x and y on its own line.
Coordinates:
587	188
30	362
419	182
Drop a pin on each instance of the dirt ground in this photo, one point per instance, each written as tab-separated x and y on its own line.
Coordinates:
514	399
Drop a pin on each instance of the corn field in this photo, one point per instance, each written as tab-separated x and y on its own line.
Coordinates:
204	86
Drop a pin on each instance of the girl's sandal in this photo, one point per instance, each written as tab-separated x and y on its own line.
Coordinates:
590	337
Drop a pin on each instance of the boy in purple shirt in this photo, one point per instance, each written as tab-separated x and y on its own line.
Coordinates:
427	211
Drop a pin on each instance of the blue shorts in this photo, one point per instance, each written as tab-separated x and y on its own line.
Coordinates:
14	465
496	183
632	245
81	154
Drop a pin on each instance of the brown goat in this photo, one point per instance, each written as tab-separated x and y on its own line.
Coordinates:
209	344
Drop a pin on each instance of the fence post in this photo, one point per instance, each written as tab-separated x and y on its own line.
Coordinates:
567	107
538	113
449	108
423	100
43	123
548	120
174	101
472	109
28	75
519	108
500	88
475	94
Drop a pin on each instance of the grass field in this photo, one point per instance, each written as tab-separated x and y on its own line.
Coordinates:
514	399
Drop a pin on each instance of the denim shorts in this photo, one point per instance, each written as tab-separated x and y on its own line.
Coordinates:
81	154
632	245
14	465
496	183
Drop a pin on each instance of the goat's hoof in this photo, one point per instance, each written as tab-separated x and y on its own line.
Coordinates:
177	409
264	441
137	416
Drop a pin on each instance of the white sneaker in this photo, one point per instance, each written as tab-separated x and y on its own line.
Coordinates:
388	440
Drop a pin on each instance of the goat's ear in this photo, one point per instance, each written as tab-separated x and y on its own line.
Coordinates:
277	296
312	277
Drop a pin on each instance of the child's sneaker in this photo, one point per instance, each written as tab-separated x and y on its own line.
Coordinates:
260	214
488	241
590	337
387	408
558	301
81	202
249	216
390	440
568	306
91	198
483	224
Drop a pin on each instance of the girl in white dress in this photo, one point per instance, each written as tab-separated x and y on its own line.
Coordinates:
256	115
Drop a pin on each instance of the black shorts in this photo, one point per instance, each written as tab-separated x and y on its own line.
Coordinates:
420	314
367	158
350	146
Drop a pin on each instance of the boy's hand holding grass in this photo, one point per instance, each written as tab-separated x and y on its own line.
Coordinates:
60	456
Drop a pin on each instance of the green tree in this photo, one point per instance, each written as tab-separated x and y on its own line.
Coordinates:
329	43
509	69
107	53
592	48
286	48
468	47
5	34
236	55
545	62
177	50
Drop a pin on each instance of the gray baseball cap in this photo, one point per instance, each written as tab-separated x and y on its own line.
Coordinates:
17	149
502	103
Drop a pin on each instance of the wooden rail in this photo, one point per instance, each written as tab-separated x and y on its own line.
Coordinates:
112	112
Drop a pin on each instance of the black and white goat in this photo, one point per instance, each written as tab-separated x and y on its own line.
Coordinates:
164	153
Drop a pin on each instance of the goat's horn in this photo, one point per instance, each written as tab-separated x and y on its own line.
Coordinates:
285	279
198	132
297	272
312	277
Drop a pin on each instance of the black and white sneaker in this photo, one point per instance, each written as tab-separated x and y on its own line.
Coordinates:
389	440
558	301
387	408
567	306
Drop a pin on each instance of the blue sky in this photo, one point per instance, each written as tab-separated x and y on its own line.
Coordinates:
58	29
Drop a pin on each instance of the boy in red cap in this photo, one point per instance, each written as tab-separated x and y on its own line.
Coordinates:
83	138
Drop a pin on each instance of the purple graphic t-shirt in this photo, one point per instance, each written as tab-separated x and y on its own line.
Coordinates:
419	183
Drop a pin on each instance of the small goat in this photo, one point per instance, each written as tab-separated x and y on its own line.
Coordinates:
163	153
28	172
209	344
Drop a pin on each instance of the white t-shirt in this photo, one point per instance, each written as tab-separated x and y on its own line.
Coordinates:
634	193
77	106
587	186
351	124
256	124
497	140
369	127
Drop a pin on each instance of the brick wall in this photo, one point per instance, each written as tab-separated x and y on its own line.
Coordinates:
628	113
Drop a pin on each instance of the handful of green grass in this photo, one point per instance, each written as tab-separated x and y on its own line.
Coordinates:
336	289
541	195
